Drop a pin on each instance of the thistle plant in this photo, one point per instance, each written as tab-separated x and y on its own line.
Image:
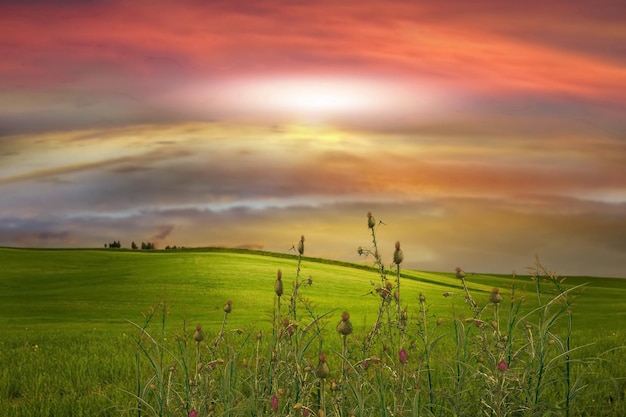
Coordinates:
507	358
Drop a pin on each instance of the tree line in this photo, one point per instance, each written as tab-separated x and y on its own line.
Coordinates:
144	245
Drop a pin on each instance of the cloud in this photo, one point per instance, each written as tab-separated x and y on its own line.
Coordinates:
73	70
488	132
163	232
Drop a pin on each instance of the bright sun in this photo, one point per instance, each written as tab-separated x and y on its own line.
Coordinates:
319	99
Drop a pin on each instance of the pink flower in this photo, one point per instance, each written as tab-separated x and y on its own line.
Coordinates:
193	413
275	403
404	357
305	412
503	366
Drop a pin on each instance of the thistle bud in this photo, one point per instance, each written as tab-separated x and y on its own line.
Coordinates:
398	256
403	356
228	307
371	221
198	336
323	371
301	245
460	274
344	327
278	286
495	297
422	298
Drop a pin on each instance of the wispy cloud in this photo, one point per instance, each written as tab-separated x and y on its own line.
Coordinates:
489	131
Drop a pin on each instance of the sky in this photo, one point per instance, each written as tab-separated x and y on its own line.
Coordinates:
482	134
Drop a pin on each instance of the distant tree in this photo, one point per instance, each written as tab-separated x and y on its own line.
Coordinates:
133	245
143	246
106	245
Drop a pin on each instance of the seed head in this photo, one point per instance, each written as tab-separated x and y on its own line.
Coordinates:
198	335
422	298
301	245
323	371
495	296
398	256
278	286
228	307
344	327
371	221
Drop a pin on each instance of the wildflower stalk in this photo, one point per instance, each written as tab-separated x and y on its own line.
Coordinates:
227	310
398	257
384	291
468	297
296	284
198	337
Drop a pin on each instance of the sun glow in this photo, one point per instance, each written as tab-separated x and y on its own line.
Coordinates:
311	98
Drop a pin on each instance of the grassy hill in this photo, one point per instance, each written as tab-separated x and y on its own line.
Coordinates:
64	313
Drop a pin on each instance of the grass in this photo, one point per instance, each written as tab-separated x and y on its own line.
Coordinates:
68	348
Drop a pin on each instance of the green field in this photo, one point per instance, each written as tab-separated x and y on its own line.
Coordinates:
67	347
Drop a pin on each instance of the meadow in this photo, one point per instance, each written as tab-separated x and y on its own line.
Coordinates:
113	332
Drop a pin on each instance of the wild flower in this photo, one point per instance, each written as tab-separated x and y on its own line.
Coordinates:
495	296
278	287
198	335
323	371
371	221
398	256
301	245
275	402
344	327
403	356
503	366
228	307
193	413
460	274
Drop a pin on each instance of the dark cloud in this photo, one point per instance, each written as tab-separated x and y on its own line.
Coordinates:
163	232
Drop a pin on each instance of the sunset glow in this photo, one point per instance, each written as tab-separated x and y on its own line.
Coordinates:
482	134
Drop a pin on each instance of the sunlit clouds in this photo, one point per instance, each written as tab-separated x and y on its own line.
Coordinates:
483	134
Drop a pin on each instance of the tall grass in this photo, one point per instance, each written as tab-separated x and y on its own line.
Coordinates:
507	355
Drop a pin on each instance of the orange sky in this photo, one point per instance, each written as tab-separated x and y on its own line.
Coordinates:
481	134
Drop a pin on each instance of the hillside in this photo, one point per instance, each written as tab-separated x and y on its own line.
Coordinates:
43	286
